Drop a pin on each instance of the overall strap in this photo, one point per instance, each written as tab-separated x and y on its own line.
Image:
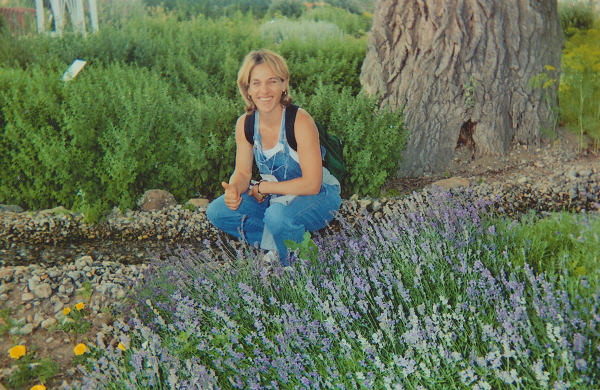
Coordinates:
249	127
290	119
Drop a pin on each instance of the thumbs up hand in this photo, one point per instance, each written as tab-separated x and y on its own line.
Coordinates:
232	197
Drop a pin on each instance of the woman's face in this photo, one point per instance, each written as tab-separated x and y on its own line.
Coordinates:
265	88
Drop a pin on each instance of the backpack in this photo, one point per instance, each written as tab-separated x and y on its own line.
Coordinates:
333	159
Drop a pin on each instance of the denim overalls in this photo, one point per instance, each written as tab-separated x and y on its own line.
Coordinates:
281	217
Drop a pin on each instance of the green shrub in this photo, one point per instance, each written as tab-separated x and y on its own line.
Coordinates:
156	106
107	136
354	6
373	138
331	62
281	29
32	142
561	242
580	84
187	9
349	23
289	8
576	16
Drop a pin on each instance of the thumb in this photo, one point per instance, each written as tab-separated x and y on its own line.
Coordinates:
229	187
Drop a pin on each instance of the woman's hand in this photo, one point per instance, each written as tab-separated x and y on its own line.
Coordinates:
232	197
254	192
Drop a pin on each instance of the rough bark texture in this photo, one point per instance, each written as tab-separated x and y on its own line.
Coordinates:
425	55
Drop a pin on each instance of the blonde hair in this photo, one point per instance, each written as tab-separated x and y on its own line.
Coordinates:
275	62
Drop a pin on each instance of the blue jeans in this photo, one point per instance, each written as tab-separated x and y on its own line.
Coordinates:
284	222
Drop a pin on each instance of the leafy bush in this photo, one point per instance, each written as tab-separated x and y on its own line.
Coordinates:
109	135
373	138
331	62
352	24
552	245
288	8
188	9
576	16
155	107
280	29
580	84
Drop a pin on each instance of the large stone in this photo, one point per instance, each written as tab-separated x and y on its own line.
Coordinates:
103	318
48	322
454	182
27	297
42	290
26	329
10	209
84	261
156	200
6	272
6	287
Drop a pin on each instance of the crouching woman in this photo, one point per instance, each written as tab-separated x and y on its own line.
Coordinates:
296	193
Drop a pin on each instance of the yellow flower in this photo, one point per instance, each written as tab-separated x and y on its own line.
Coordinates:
17	351
550	68
38	387
80	349
66	310
80	305
121	346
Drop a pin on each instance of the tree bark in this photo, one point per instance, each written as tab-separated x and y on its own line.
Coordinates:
427	56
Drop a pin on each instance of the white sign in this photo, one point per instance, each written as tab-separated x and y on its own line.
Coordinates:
75	67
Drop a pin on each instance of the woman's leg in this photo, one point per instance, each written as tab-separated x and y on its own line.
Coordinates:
247	219
311	213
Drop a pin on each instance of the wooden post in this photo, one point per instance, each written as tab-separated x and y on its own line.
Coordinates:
93	15
39	13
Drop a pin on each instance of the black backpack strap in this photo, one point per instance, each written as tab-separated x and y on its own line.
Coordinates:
290	119
249	128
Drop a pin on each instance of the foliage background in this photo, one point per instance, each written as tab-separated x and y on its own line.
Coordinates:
156	104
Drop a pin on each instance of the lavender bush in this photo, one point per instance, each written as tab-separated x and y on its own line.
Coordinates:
427	298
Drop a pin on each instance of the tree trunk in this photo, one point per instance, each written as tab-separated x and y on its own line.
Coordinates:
460	69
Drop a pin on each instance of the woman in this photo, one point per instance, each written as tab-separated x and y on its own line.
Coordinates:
296	192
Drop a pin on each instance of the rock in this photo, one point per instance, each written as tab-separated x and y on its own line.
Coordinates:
103	318
42	290
198	202
58	306
54	210
83	262
6	272
539	164
522	180
10	209
6	287
49	339
26	329
377	206
156	200
48	322
454	182
3	297
27	297
75	275
37	319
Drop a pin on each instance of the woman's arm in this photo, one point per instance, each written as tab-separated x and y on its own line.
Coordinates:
240	179
309	155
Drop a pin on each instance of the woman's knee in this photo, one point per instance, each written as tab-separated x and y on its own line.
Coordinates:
276	219
215	211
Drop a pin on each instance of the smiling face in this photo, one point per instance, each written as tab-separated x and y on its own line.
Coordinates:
265	88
